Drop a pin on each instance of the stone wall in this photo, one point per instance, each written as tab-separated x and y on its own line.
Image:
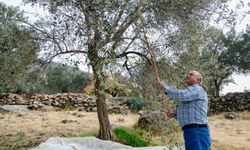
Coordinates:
61	100
230	102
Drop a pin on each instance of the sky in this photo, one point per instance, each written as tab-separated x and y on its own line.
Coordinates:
242	82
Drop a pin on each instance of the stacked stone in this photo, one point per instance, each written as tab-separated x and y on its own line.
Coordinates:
118	106
230	102
88	105
12	99
62	100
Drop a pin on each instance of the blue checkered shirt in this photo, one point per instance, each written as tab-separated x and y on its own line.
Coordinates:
193	104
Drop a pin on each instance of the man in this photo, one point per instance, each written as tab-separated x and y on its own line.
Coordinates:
191	112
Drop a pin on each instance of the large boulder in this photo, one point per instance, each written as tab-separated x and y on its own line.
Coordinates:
149	120
13	108
89	143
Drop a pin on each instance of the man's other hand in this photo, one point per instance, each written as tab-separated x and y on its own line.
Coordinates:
170	114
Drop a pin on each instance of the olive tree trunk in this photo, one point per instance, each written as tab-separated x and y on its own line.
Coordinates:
105	131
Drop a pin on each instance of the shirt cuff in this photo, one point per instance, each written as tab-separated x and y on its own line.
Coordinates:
175	114
168	91
165	89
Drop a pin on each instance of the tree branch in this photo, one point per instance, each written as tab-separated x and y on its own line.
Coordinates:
124	54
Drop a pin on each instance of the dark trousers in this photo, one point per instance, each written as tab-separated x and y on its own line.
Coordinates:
197	138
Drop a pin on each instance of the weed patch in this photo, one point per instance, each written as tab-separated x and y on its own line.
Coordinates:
129	138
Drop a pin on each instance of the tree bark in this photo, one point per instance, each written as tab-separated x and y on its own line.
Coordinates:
217	85
105	131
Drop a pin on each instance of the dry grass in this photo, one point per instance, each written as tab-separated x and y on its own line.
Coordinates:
24	130
230	134
28	129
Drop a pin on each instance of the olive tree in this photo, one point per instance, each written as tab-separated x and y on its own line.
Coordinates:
102	32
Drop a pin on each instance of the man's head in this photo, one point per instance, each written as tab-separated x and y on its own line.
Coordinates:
193	77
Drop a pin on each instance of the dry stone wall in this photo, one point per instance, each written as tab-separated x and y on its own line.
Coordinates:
62	100
230	102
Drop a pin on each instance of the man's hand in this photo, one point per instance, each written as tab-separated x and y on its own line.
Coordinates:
160	85
170	114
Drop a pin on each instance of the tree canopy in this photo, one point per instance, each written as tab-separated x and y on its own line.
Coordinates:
237	53
18	48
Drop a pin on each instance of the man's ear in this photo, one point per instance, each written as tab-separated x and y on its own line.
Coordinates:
196	78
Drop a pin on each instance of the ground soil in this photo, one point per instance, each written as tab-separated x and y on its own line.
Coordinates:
24	130
230	134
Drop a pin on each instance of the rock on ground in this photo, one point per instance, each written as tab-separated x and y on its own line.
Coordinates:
13	108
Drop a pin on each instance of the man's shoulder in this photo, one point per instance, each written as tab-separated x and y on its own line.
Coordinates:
195	87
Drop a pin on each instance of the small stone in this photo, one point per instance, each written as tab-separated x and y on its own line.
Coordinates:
19	115
230	115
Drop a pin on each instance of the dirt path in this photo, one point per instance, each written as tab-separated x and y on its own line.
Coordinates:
27	129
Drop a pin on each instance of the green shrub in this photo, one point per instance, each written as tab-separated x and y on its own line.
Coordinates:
139	131
129	138
136	103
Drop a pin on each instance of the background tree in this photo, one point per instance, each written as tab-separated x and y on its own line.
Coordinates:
217	56
237	53
211	53
202	53
54	78
18	49
65	79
